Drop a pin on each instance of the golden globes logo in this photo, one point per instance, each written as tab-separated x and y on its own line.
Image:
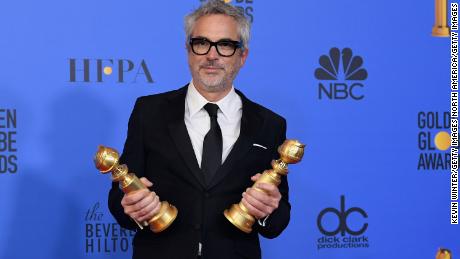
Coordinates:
101	70
245	6
433	140
8	148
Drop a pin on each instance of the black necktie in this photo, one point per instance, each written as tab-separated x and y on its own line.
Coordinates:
212	145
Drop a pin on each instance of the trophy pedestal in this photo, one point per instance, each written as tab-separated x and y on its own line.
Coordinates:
164	218
440	31
240	218
440	28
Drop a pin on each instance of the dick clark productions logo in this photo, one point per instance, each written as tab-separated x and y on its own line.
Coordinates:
341	75
350	237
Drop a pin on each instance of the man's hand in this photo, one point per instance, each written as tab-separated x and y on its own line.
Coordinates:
261	204
141	205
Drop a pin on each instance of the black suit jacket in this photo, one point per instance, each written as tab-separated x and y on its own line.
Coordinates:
158	147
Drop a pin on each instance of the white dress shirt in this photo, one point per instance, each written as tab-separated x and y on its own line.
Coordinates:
198	122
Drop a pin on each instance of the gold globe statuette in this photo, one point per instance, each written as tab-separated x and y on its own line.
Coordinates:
440	27
443	254
291	152
106	160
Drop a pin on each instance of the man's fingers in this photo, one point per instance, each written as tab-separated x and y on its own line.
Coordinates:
263	200
261	197
257	204
157	207
148	212
255	177
134	197
143	208
140	214
152	212
135	208
252	210
270	189
146	182
144	202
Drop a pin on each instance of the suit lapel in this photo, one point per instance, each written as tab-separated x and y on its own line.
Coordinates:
250	123
179	134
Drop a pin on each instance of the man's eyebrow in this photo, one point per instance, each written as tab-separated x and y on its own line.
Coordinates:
200	37
226	39
223	39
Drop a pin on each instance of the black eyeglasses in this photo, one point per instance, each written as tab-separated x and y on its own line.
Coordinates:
225	48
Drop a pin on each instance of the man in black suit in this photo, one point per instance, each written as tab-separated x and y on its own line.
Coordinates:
201	146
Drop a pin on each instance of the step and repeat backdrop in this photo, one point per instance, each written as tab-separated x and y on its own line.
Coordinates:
363	84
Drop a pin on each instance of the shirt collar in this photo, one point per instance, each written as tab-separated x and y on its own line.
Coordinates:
229	105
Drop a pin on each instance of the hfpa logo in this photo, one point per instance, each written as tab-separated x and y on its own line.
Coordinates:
342	85
99	70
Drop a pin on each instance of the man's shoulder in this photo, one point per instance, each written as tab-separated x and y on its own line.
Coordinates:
263	111
159	98
267	113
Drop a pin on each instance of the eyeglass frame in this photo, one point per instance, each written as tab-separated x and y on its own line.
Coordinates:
238	45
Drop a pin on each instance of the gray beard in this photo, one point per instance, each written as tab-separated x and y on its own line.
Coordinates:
213	88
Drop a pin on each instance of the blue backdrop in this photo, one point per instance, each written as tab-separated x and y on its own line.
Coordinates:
368	148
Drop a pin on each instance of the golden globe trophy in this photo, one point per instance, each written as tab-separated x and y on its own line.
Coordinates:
291	152
440	28
106	160
443	254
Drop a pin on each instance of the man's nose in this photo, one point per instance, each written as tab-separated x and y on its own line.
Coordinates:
212	54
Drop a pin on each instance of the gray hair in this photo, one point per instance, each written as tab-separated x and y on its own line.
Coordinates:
219	7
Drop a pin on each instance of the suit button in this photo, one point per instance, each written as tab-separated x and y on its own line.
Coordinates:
197	226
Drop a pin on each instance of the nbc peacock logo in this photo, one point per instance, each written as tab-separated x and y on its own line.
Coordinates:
342	74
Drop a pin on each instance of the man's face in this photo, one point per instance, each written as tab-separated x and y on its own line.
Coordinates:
212	72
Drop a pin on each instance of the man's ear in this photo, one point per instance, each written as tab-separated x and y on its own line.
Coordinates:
244	56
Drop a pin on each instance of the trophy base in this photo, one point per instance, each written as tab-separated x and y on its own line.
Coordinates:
164	218
239	218
440	31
